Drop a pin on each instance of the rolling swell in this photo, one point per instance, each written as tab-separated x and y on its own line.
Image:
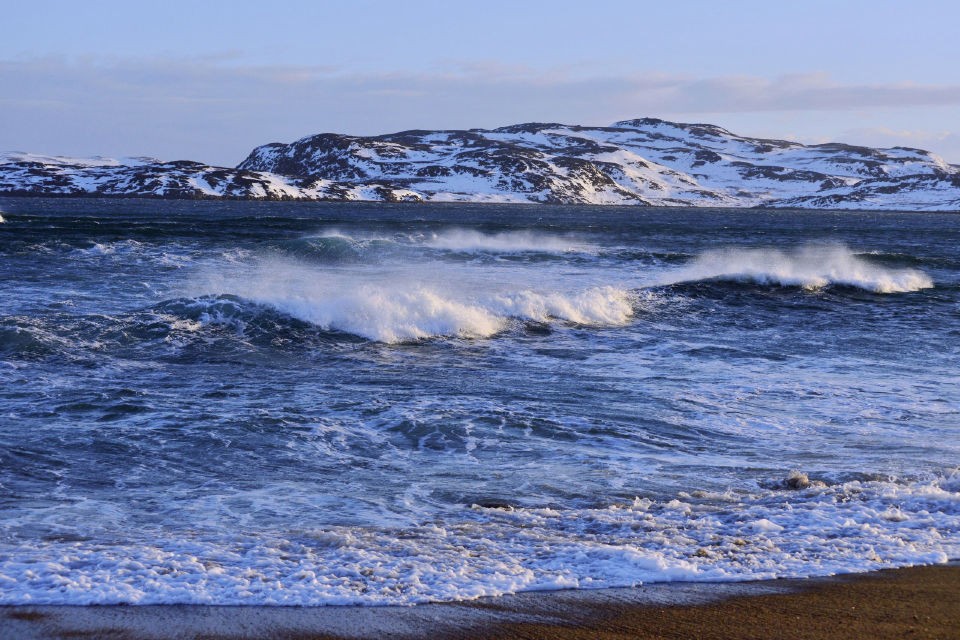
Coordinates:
335	249
18	338
217	325
206	328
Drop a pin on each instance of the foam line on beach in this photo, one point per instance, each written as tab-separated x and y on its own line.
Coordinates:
888	604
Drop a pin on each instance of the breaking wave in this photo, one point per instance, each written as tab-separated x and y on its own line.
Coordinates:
391	314
406	306
811	267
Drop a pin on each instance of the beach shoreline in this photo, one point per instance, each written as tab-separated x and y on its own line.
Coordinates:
918	602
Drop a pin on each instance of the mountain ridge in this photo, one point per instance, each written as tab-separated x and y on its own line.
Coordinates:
643	161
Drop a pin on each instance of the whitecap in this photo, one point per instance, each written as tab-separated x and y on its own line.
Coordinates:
811	267
416	303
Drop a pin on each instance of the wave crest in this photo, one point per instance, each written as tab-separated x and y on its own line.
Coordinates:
811	267
391	314
412	305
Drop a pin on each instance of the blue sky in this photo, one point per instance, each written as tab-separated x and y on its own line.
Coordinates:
211	80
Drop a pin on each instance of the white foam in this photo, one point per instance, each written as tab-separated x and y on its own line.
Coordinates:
811	266
386	314
597	306
417	302
851	527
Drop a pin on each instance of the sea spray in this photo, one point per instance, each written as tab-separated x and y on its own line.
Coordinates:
507	241
416	302
809	266
413	312
387	314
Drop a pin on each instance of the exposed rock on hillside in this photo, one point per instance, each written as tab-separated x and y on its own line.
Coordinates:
645	161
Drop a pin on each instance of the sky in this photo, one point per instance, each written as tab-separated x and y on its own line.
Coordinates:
211	80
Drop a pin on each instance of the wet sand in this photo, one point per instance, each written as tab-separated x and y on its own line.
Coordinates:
919	602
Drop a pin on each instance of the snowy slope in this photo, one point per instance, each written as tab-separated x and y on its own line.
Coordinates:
26	174
645	161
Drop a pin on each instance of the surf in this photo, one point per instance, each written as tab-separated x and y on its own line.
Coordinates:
810	267
255	403
417	302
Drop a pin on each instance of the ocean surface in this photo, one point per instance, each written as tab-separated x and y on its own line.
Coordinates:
312	404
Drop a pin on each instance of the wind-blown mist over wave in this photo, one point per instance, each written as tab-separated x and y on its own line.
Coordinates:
511	241
811	267
415	303
336	247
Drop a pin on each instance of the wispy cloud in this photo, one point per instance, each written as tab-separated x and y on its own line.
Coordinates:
801	92
215	109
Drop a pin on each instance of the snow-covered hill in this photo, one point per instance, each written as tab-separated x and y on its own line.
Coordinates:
27	174
645	161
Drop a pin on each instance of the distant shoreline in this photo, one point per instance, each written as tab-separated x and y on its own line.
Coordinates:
457	203
920	602
639	162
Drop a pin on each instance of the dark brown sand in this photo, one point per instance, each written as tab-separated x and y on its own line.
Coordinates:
920	602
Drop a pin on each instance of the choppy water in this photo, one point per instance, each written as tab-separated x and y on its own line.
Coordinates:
325	404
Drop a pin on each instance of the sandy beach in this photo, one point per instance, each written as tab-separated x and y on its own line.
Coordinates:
919	602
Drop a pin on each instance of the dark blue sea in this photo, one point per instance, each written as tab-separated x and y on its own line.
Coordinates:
309	404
